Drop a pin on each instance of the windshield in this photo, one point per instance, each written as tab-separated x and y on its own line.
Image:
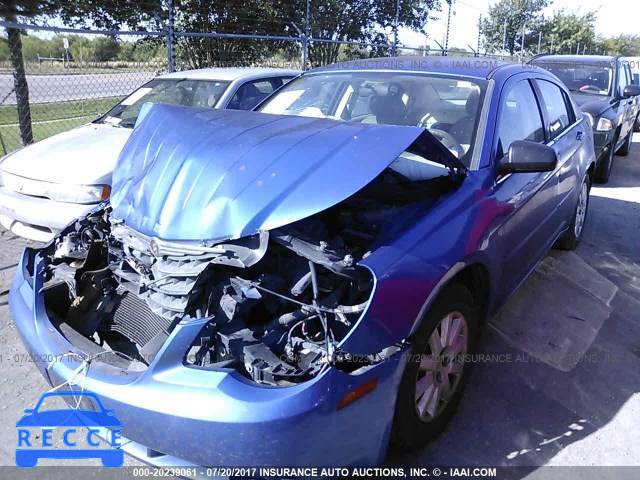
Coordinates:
186	92
447	106
579	77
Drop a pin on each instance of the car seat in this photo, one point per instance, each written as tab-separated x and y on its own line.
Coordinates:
463	128
389	109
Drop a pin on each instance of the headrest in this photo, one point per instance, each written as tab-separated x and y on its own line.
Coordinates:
388	109
250	90
472	103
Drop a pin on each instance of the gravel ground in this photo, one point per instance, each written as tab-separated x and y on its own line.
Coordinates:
536	408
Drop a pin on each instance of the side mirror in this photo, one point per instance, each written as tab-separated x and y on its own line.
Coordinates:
631	91
525	156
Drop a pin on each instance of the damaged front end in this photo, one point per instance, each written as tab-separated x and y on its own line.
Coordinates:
280	284
278	302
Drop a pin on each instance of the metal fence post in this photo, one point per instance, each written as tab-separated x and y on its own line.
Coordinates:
307	35
171	58
394	47
446	38
477	53
20	86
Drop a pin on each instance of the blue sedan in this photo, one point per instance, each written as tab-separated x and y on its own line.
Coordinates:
302	284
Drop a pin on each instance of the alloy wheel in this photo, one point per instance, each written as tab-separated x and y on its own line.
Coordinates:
441	366
581	210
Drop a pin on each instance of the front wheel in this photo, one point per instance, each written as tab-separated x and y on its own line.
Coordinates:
437	368
603	169
626	146
571	238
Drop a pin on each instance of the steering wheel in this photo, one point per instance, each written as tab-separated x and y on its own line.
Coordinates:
424	121
584	88
447	140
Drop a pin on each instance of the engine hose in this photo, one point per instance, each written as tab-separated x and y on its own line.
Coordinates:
351	308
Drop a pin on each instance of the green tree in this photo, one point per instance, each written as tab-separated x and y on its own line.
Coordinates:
106	48
33	47
332	20
628	45
148	49
82	49
514	16
108	14
249	17
565	32
359	21
4	49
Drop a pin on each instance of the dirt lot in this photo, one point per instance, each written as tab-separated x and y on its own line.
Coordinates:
558	377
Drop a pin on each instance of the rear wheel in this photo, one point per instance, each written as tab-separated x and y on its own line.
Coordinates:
571	238
437	369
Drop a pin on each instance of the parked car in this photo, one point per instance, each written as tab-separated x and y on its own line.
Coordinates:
603	88
298	285
44	186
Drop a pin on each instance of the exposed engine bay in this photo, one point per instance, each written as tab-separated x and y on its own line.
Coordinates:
278	303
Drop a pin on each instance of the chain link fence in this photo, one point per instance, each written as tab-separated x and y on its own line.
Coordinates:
72	75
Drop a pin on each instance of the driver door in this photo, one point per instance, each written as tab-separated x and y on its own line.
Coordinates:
528	198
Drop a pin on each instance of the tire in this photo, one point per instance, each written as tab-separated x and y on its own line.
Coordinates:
636	124
571	238
454	307
623	151
603	169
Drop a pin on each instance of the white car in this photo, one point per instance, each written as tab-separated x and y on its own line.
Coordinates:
44	186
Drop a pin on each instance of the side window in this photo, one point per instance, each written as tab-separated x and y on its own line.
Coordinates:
555	102
519	117
622	78
251	93
630	80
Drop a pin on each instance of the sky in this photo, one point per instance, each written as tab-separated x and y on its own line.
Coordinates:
611	20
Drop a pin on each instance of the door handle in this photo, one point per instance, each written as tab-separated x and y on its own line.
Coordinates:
579	135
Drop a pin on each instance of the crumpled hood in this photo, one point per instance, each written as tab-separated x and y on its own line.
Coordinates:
205	174
593	104
82	156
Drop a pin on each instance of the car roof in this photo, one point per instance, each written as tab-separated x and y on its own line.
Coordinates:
586	59
477	67
231	74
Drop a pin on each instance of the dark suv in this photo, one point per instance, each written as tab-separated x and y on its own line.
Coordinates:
604	88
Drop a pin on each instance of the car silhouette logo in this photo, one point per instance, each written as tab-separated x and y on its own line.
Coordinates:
90	414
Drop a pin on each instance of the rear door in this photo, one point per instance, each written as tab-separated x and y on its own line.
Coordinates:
566	135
